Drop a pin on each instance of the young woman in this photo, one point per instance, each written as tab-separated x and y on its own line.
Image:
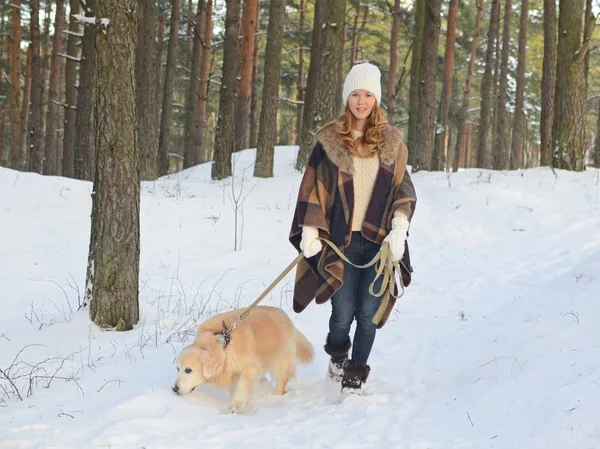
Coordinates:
356	193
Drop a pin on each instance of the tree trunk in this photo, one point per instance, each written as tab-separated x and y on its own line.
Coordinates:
415	82
205	74
484	155
50	149
516	159
166	120
85	122
68	160
15	83
300	83
35	127
192	151
548	83
329	86
145	76
391	84
569	106
501	147
242	117
587	35
225	138
462	114
308	116
25	113
596	154
190	31
254	95
267	131
115	237
160	38
354	49
425	127
440	147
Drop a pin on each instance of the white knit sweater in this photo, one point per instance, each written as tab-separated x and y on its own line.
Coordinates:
365	173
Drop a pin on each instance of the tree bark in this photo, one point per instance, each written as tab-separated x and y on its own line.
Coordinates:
115	232
242	117
225	137
587	35
35	126
300	83
166	120
596	153
516	159
267	131
484	155
50	147
461	134
145	76
68	159
425	127
15	83
308	116
160	38
569	106
391	84
501	147
205	74
254	95
329	86
25	113
192	151
548	83
415	82
354	49
440	147
85	122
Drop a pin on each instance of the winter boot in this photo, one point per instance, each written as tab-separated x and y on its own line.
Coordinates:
339	355
355	374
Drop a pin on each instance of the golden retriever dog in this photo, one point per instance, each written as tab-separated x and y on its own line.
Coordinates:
266	341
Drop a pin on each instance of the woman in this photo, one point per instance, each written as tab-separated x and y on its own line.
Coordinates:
356	193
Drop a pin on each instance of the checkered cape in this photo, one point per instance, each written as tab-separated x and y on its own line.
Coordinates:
326	202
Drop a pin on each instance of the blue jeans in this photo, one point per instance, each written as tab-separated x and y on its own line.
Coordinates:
354	302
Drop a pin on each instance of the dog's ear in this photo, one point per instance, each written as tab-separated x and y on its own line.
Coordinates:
209	364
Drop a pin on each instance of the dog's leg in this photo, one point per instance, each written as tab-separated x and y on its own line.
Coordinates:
233	385
283	371
244	387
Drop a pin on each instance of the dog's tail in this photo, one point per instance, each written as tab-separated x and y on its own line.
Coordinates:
305	352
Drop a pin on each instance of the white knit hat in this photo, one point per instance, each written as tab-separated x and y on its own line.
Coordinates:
363	76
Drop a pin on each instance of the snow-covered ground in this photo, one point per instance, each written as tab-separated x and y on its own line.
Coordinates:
496	344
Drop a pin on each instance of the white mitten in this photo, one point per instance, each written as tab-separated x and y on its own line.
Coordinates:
310	243
397	236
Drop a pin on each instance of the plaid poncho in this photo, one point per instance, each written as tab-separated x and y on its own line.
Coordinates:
326	201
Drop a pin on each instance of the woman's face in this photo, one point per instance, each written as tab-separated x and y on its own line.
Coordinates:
361	104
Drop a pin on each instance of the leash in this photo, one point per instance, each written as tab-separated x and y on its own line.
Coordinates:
384	266
226	333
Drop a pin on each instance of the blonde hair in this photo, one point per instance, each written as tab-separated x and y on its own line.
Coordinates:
368	143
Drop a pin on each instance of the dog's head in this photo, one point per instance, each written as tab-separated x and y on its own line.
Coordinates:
195	366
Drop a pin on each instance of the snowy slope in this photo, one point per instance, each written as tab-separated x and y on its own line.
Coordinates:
496	344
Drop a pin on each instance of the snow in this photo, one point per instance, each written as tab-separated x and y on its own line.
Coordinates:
496	344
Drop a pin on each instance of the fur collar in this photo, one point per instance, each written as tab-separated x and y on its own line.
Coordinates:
388	147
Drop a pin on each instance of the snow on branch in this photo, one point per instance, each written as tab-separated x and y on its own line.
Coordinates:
72	58
91	20
289	100
73	33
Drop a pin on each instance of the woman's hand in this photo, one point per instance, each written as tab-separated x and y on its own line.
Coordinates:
397	236
310	243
